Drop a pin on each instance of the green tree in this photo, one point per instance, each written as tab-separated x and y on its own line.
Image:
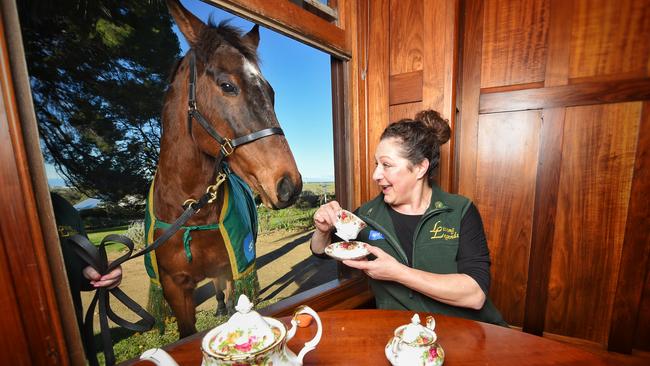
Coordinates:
98	70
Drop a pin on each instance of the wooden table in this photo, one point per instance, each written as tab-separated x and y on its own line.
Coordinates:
358	337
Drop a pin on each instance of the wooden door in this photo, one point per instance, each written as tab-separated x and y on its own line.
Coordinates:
553	146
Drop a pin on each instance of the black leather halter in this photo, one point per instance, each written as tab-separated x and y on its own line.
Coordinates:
227	145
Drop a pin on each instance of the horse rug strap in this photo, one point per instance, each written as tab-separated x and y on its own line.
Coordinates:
238	227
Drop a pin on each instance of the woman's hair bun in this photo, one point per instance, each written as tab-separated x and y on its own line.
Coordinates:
439	126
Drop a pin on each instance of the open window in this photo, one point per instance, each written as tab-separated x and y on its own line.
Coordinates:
319	25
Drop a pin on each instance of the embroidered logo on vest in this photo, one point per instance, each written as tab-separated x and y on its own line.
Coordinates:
441	232
375	235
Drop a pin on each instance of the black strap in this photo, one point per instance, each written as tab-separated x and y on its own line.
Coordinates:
97	258
256	136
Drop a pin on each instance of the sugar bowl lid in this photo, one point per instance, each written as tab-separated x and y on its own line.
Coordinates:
415	334
246	332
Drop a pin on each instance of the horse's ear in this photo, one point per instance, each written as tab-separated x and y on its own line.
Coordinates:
188	23
252	38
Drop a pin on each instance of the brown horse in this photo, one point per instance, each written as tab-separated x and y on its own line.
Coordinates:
236	101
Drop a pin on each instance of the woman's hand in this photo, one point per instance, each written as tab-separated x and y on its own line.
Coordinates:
326	215
110	280
385	267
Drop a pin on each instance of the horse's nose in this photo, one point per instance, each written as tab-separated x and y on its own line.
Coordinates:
287	191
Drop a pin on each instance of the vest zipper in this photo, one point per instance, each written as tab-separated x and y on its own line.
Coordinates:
389	237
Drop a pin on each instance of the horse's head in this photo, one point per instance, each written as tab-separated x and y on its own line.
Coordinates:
236	100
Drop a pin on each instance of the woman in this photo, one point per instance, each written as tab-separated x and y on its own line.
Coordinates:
81	277
429	247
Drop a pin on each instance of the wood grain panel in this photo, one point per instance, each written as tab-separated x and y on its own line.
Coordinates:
470	90
440	74
566	95
636	246
514	42
401	111
597	163
508	145
405	88
12	336
405	33
559	44
356	24
378	90
546	191
642	334
610	37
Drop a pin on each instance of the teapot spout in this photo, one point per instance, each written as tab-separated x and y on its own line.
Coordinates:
159	357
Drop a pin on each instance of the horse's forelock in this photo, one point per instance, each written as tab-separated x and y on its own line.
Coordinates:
216	34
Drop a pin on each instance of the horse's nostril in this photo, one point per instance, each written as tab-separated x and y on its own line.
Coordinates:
286	189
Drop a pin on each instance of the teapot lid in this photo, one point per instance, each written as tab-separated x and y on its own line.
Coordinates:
244	333
415	334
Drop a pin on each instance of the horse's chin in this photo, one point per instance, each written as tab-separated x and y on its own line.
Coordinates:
272	204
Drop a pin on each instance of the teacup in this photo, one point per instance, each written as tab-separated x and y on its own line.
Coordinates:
348	225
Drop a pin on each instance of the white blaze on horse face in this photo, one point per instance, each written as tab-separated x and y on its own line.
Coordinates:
252	70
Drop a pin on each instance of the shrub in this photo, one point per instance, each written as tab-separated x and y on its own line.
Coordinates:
136	233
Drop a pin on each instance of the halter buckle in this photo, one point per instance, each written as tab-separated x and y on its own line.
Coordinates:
227	148
212	189
190	202
191	106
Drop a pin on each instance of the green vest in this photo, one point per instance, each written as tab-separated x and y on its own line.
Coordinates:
434	250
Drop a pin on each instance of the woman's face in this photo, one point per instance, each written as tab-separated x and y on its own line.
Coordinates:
396	176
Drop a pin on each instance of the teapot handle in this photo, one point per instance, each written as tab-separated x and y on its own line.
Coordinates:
294	325
396	346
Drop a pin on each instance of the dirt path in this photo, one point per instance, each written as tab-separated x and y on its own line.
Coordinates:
285	267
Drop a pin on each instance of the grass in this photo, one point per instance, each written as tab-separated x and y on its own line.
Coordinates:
287	219
96	237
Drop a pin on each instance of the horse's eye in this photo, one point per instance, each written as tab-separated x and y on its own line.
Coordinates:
228	88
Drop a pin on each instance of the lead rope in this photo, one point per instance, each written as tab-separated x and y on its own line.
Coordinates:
97	258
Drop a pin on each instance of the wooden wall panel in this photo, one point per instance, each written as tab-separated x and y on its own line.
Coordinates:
12	336
642	334
405	88
440	74
470	92
597	163
405	33
407	110
610	38
545	208
514	42
378	84
508	145
636	249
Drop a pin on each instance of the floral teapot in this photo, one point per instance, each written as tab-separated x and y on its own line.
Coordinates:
248	338
414	344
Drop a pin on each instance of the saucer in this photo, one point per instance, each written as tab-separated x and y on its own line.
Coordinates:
344	250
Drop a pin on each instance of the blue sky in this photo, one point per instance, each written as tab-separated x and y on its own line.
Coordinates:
300	76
